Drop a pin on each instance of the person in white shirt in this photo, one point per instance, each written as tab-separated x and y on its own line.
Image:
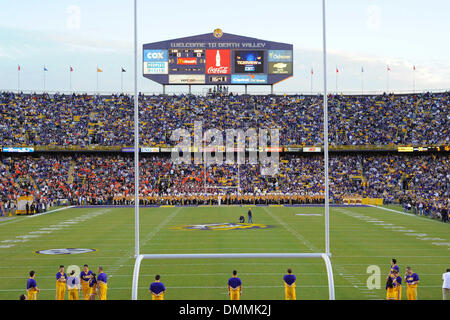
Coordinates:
446	285
73	285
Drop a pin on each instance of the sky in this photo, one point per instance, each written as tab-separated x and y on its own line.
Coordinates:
368	34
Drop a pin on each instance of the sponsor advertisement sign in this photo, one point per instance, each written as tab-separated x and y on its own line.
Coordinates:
292	149
187	61
249	61
149	150
18	149
312	149
186	78
249	78
218	62
156	67
156	55
218	79
280	55
280	67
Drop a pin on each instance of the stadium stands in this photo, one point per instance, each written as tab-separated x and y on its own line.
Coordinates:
58	121
108	179
81	120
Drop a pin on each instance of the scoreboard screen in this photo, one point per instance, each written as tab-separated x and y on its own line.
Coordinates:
217	58
183	61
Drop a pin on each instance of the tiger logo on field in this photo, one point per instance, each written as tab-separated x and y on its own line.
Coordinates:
223	226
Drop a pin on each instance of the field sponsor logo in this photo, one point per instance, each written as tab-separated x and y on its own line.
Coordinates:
249	79
280	55
64	251
156	55
218	62
223	226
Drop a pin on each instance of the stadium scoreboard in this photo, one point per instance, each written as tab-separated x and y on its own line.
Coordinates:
217	58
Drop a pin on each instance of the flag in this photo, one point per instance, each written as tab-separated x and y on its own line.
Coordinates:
18	67
123	70
414	68
99	70
388	69
45	69
337	70
362	69
312	71
71	69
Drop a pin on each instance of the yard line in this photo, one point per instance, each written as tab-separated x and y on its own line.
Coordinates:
292	231
119	264
338	269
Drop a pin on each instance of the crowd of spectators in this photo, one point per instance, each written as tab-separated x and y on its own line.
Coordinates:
419	183
83	120
109	179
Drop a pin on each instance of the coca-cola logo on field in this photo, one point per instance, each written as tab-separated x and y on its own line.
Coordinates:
218	62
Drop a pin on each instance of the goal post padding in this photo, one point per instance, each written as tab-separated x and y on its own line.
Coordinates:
139	258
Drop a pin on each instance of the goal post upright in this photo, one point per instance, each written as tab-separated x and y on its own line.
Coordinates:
136	140
139	257
325	134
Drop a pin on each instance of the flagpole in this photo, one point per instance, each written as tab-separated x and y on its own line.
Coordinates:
387	79
70	80
97	79
312	73
414	79
44	79
337	80
362	81
18	79
121	80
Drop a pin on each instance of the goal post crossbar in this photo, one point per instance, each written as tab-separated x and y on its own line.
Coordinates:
139	258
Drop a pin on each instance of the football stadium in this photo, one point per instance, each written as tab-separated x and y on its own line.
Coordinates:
242	196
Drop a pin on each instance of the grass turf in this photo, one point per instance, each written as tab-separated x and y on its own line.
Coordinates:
360	237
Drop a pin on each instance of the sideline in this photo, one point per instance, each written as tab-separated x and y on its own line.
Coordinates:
51	211
407	214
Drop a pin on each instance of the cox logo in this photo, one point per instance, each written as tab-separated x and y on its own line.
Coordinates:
155	55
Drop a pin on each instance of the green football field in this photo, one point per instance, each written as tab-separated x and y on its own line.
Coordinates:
361	238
